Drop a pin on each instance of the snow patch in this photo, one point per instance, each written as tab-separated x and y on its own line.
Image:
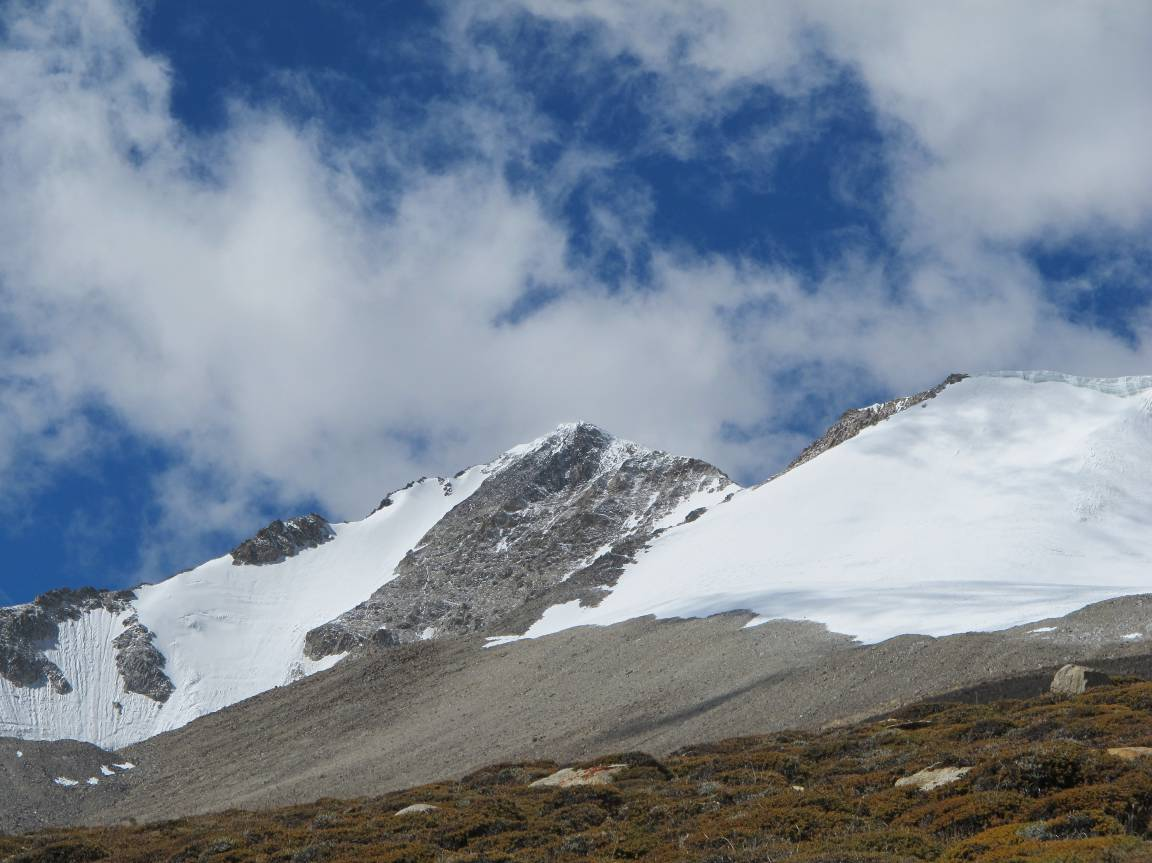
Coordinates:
65	781
1042	629
106	770
497	640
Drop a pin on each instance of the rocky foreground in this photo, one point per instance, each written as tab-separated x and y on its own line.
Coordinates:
1051	778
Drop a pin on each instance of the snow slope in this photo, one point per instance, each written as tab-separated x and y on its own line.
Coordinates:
1009	497
227	632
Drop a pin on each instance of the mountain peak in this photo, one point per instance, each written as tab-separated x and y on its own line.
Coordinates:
576	427
565	434
565	511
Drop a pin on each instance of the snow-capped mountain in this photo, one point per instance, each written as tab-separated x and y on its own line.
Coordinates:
980	504
993	501
117	667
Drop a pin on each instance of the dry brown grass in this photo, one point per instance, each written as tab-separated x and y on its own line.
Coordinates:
1042	788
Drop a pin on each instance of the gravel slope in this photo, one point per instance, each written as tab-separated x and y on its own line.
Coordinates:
407	715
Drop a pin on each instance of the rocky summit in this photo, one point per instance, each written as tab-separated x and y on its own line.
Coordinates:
571	510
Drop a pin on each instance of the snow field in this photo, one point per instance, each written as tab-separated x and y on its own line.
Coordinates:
1005	499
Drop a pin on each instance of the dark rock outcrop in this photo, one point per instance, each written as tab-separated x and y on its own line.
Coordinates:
330	639
27	630
283	539
24	630
573	508
140	664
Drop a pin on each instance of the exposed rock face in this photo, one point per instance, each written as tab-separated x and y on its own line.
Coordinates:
1075	679
22	661
140	663
26	630
855	420
283	539
574	507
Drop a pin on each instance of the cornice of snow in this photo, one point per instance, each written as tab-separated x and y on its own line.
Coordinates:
1122	386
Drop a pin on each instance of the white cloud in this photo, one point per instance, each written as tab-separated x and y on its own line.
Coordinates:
239	298
243	298
1019	119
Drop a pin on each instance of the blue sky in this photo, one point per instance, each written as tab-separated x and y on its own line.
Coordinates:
265	258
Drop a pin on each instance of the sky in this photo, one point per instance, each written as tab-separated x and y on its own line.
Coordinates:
266	258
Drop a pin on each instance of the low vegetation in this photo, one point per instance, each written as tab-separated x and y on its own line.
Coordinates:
1041	786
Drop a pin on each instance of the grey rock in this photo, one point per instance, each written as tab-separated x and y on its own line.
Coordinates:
931	778
140	664
1076	679
569	777
422	712
330	639
417	809
281	540
573	510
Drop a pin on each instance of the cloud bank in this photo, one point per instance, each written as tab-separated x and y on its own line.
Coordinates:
290	326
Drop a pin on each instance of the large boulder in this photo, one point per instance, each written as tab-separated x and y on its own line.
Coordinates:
417	809
1075	679
933	777
1131	753
601	774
